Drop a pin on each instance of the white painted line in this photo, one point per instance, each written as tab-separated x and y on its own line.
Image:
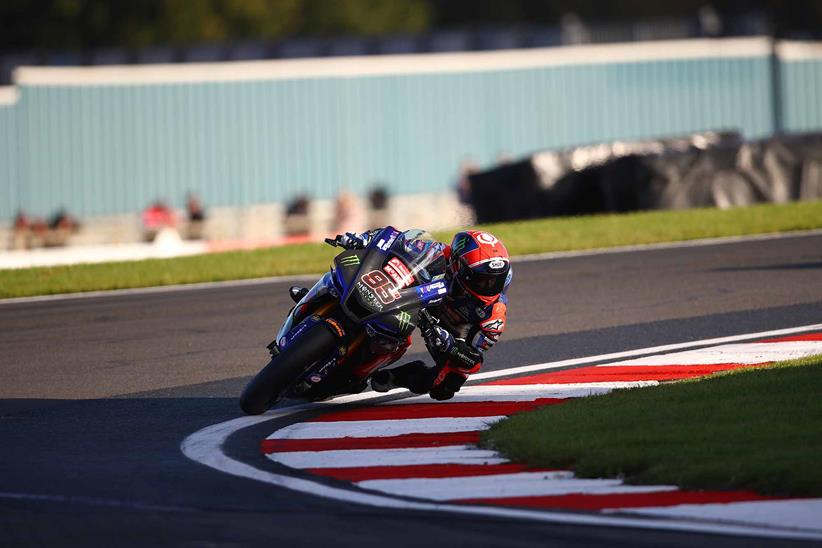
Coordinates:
749	353
205	446
158	289
346	458
527	392
518	258
774	513
382	428
525	484
642	351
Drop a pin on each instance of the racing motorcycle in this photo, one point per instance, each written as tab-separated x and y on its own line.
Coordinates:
367	305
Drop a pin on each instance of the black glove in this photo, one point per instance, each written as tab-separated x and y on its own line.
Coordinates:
449	386
349	240
436	338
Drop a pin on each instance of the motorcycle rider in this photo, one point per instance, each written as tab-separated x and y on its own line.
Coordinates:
466	323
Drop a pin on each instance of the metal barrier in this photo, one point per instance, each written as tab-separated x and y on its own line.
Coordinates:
102	140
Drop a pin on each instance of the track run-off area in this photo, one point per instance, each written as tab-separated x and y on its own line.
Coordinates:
120	422
415	449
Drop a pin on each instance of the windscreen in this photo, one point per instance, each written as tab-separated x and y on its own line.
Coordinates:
421	253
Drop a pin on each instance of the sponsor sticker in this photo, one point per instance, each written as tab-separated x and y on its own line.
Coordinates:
404	320
435	287
485	238
460	244
496	264
350	260
336	326
399	273
384	244
368	296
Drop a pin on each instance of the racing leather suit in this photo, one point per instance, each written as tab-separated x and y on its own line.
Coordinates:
472	328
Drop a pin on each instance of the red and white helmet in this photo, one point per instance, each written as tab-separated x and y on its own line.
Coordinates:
479	265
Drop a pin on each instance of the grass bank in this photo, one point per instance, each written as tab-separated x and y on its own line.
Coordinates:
557	234
756	429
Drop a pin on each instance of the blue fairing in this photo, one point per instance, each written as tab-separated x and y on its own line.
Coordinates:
287	332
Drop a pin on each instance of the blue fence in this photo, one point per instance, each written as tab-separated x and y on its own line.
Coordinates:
99	145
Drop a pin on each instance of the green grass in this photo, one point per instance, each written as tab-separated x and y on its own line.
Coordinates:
756	429
557	234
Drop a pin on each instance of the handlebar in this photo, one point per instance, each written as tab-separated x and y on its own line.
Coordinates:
332	242
426	316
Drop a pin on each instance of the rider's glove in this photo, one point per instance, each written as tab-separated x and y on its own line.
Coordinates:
349	240
437	338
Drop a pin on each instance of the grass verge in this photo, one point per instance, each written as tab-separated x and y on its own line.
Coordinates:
556	234
754	429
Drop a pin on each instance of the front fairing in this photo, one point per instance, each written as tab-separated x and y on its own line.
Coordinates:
384	285
323	287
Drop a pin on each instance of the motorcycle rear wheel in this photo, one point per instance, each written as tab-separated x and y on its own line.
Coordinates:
268	386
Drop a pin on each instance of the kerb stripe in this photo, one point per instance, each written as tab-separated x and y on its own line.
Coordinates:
422	471
622	373
618	501
435	410
387	442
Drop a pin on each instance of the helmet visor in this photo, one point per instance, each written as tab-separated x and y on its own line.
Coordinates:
487	284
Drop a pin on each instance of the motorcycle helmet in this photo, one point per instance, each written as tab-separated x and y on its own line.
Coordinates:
478	266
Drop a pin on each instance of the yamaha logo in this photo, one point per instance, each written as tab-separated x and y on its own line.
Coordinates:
485	238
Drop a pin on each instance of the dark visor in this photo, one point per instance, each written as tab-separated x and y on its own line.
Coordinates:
486	284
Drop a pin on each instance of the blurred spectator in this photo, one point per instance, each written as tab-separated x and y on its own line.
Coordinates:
463	184
156	217
378	206
710	23
343	211
61	225
38	232
464	214
348	213
196	217
296	217
573	30
21	232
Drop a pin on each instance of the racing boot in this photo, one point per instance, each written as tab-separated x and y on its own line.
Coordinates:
415	376
296	293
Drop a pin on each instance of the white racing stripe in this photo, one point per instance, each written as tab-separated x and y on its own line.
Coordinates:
745	353
538	367
798	513
525	484
382	428
528	392
453	454
206	446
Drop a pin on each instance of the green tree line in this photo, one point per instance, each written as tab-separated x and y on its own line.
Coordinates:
85	24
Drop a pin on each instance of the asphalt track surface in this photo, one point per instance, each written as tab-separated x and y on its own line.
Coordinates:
96	395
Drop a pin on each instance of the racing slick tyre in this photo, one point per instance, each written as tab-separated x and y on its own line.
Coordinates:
268	385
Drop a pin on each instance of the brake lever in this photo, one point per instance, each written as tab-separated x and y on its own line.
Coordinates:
332	242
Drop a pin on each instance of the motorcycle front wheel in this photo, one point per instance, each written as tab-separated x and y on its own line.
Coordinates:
268	386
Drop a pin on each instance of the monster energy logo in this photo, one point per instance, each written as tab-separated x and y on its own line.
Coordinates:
460	244
404	318
350	260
